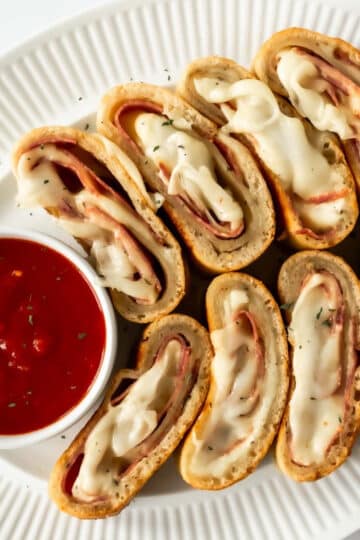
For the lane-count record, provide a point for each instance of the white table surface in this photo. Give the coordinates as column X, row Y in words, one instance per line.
column 22, row 19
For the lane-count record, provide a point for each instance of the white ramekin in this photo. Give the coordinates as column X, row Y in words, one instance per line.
column 109, row 354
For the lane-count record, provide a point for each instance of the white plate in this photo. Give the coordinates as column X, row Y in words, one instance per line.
column 41, row 82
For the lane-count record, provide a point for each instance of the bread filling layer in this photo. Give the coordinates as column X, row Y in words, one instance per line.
column 125, row 433
column 245, row 386
column 316, row 332
column 320, row 92
column 316, row 188
column 187, row 169
column 118, row 238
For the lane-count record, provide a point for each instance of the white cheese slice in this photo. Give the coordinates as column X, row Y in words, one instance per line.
column 190, row 165
column 307, row 92
column 281, row 141
column 126, row 425
column 317, row 404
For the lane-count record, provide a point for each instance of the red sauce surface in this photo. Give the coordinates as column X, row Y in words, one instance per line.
column 52, row 336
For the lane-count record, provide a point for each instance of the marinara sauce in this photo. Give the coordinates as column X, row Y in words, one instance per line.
column 52, row 336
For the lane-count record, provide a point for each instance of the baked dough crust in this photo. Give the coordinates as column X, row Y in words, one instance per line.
column 211, row 253
column 170, row 257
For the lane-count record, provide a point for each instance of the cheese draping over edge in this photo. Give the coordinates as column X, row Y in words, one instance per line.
column 191, row 168
column 282, row 143
column 114, row 231
column 320, row 92
column 244, row 392
column 127, row 424
column 316, row 408
column 155, row 200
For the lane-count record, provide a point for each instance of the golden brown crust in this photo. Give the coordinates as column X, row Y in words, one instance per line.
column 121, row 167
column 290, row 278
column 211, row 253
column 273, row 334
column 337, row 52
column 295, row 233
column 133, row 481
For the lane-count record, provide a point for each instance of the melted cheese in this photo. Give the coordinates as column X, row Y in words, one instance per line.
column 40, row 185
column 241, row 399
column 155, row 200
column 126, row 425
column 190, row 165
column 306, row 89
column 281, row 142
column 316, row 406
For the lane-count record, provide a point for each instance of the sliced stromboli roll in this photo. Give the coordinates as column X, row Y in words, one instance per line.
column 97, row 194
column 144, row 416
column 306, row 168
column 214, row 192
column 321, row 77
column 322, row 297
column 248, row 388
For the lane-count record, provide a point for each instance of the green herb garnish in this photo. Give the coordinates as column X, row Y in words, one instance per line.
column 327, row 322
column 168, row 122
column 319, row 313
column 287, row 306
column 156, row 148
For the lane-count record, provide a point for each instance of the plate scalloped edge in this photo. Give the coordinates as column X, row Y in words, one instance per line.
column 41, row 82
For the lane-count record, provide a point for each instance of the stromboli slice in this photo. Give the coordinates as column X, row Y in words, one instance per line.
column 248, row 384
column 141, row 421
column 306, row 168
column 97, row 194
column 322, row 296
column 321, row 77
column 214, row 192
